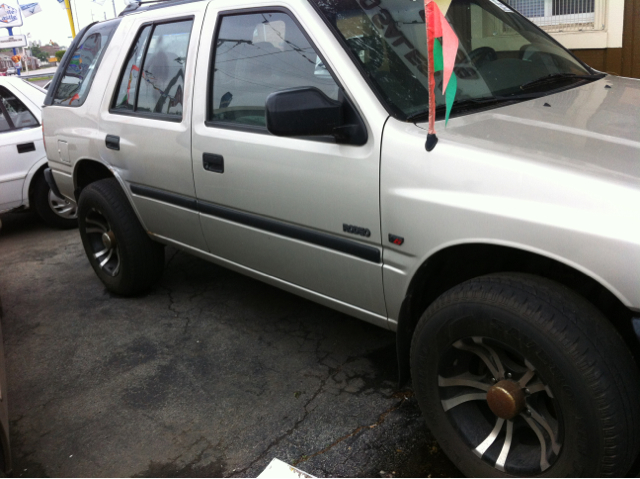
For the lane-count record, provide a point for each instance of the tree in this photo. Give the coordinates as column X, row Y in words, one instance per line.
column 60, row 54
column 37, row 52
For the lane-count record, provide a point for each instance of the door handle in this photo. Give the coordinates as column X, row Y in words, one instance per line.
column 26, row 147
column 214, row 163
column 113, row 142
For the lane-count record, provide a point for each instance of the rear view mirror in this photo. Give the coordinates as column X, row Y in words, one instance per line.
column 309, row 112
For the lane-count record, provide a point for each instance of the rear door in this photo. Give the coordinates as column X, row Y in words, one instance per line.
column 146, row 120
column 20, row 146
column 303, row 210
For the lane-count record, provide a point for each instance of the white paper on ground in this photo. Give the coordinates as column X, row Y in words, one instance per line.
column 277, row 468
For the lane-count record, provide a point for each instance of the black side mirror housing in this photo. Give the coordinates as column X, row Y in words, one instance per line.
column 307, row 111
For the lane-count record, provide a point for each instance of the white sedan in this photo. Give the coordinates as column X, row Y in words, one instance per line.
column 22, row 155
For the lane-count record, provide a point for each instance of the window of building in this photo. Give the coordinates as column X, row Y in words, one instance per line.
column 256, row 55
column 562, row 15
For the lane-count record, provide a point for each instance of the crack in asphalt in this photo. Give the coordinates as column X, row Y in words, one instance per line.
column 332, row 373
column 290, row 431
column 170, row 260
column 381, row 419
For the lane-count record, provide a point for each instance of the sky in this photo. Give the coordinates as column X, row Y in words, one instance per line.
column 52, row 23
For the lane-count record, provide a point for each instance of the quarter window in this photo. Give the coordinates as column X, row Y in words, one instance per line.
column 83, row 64
column 152, row 82
column 256, row 55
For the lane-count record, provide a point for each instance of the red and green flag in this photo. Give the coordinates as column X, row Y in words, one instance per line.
column 442, row 47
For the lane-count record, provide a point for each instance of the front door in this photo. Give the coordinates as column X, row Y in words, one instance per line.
column 305, row 211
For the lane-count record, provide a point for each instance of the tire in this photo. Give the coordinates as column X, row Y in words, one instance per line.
column 55, row 211
column 121, row 253
column 576, row 382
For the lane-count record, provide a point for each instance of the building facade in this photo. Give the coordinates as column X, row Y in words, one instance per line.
column 605, row 34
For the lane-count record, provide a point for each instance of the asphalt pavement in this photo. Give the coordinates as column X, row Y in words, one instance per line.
column 211, row 374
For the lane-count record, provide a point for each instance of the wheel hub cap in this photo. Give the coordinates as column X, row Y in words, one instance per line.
column 108, row 240
column 506, row 399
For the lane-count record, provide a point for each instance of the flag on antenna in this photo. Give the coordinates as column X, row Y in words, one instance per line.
column 442, row 57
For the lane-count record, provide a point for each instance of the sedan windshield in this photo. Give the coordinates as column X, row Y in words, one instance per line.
column 501, row 55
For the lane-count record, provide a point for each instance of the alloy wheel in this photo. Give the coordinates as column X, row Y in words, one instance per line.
column 62, row 207
column 500, row 406
column 102, row 241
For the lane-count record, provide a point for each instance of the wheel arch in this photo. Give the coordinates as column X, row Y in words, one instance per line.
column 34, row 171
column 461, row 262
column 88, row 171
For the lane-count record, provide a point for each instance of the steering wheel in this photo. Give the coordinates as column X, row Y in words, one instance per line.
column 481, row 55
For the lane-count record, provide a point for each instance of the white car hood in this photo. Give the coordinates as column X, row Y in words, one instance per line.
column 594, row 128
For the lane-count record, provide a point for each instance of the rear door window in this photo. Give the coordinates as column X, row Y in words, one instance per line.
column 82, row 65
column 152, row 82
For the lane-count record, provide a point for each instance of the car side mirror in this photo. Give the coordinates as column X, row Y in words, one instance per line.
column 309, row 112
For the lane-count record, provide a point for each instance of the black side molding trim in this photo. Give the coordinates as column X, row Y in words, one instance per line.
column 307, row 235
column 48, row 177
column 368, row 253
column 160, row 195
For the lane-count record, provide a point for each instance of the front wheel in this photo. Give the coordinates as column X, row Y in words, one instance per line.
column 55, row 211
column 520, row 376
column 121, row 253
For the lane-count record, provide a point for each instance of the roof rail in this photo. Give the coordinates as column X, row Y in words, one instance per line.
column 142, row 5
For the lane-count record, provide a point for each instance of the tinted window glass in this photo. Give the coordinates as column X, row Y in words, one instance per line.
column 125, row 99
column 74, row 85
column 4, row 124
column 256, row 55
column 162, row 87
column 499, row 52
column 19, row 114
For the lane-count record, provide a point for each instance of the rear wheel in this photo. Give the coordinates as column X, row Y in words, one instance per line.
column 121, row 253
column 517, row 375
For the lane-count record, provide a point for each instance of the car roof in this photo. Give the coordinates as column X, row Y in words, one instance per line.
column 141, row 6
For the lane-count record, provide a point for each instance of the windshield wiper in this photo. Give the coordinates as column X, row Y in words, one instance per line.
column 463, row 104
column 555, row 77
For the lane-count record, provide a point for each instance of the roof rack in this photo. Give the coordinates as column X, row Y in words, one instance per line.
column 139, row 5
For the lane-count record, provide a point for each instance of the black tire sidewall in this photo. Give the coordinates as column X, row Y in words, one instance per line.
column 90, row 200
column 141, row 260
column 450, row 322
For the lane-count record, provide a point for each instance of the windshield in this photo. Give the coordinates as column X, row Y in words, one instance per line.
column 501, row 55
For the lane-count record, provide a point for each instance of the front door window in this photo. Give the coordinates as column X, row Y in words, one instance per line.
column 256, row 55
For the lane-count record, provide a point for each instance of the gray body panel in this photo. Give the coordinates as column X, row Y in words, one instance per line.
column 562, row 181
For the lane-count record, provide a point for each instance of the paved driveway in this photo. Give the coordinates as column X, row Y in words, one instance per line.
column 211, row 374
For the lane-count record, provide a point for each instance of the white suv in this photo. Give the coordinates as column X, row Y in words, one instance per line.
column 285, row 139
